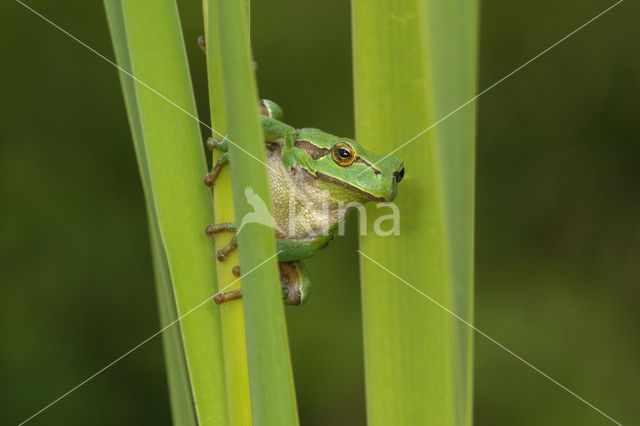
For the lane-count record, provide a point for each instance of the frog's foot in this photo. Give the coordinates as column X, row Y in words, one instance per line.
column 210, row 178
column 202, row 44
column 224, row 252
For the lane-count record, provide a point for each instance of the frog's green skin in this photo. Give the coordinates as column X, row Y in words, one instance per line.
column 305, row 175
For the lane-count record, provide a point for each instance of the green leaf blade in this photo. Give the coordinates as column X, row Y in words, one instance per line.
column 169, row 147
column 273, row 399
column 231, row 314
column 412, row 61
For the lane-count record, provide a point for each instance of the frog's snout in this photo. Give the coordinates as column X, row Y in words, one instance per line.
column 399, row 175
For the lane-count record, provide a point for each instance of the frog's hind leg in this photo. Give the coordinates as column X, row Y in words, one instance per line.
column 213, row 230
column 296, row 285
column 294, row 282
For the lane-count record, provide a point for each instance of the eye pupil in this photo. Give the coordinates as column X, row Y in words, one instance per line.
column 343, row 153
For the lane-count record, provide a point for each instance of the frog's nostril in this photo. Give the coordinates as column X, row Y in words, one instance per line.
column 399, row 175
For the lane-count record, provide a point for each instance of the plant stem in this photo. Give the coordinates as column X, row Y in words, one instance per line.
column 231, row 314
column 270, row 375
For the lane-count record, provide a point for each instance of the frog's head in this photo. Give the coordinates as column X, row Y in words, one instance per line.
column 344, row 162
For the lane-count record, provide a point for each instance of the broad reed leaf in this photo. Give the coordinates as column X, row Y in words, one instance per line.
column 149, row 45
column 414, row 62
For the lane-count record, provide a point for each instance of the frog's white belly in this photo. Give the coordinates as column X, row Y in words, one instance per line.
column 302, row 210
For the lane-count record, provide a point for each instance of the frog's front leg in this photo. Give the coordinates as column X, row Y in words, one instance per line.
column 222, row 145
column 294, row 282
column 273, row 129
column 210, row 178
column 219, row 144
column 213, row 230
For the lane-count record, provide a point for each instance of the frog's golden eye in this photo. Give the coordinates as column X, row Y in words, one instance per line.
column 343, row 154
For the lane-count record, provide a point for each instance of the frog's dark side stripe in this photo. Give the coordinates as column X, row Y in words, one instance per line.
column 316, row 153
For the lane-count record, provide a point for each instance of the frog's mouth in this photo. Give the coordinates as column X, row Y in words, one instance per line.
column 371, row 197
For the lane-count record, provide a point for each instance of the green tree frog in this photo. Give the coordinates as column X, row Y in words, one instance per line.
column 315, row 178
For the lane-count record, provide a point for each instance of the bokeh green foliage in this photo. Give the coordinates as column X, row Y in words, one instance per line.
column 557, row 239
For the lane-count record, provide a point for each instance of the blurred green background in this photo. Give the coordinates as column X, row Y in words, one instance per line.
column 558, row 216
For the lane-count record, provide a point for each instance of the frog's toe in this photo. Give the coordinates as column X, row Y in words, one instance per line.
column 210, row 177
column 213, row 229
column 236, row 271
column 224, row 252
column 202, row 44
column 220, row 298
